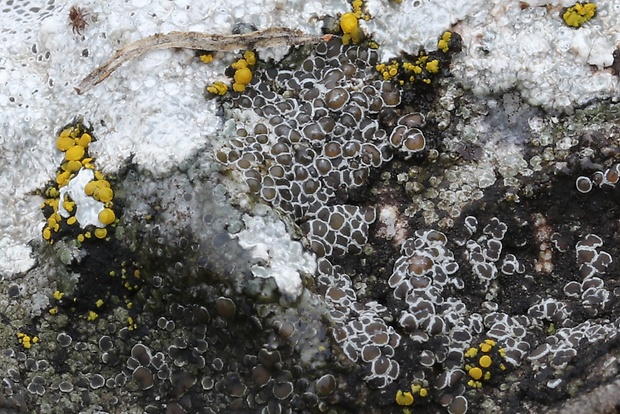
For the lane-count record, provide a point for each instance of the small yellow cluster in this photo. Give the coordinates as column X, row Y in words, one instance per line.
column 26, row 340
column 349, row 23
column 241, row 78
column 131, row 324
column 389, row 70
column 350, row 28
column 578, row 14
column 205, row 57
column 408, row 72
column 444, row 42
column 423, row 67
column 480, row 362
column 74, row 141
column 217, row 88
column 99, row 189
column 243, row 71
column 407, row 398
column 130, row 280
column 356, row 6
column 58, row 295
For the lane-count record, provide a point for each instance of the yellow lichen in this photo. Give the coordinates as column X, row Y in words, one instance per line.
column 90, row 187
column 68, row 205
column 75, row 153
column 104, row 194
column 444, row 43
column 52, row 192
column 487, row 345
column 238, row 87
column 101, row 233
column 475, row 373
column 65, row 142
column 243, row 75
column 240, row 64
column 485, row 361
column 471, row 352
column 63, row 178
column 250, row 57
column 217, row 88
column 404, row 398
column 84, row 140
column 206, row 57
column 474, row 384
column 432, row 66
column 350, row 27
column 579, row 13
column 107, row 216
column 66, row 133
column 72, row 166
column 26, row 340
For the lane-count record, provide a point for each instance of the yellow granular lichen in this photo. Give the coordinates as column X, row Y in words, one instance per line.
column 240, row 64
column 350, row 27
column 484, row 361
column 444, row 43
column 471, row 352
column 206, row 57
column 432, row 66
column 250, row 57
column 26, row 340
column 579, row 13
column 217, row 88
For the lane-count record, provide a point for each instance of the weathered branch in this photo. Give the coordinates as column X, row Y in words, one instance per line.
column 199, row 41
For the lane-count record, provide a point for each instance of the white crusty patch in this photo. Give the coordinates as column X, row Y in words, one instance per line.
column 280, row 257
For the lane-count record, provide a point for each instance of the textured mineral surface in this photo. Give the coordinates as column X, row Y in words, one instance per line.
column 412, row 212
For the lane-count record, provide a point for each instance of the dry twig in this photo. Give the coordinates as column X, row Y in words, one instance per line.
column 199, row 41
